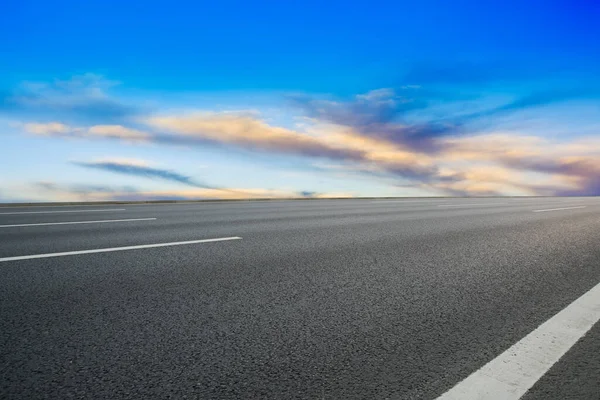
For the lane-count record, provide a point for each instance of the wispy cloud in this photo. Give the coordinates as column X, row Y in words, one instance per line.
column 81, row 188
column 85, row 192
column 243, row 131
column 383, row 113
column 391, row 134
column 324, row 195
column 456, row 168
column 390, row 114
column 330, row 141
column 58, row 129
column 81, row 98
column 536, row 99
column 569, row 167
column 140, row 168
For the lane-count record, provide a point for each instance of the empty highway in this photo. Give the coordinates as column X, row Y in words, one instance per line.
column 323, row 299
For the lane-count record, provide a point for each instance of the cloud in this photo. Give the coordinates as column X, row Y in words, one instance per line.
column 420, row 113
column 411, row 135
column 117, row 132
column 316, row 195
column 48, row 129
column 81, row 98
column 536, row 99
column 84, row 192
column 81, row 188
column 318, row 140
column 57, row 129
column 385, row 114
column 243, row 131
column 377, row 106
column 401, row 116
column 444, row 172
column 546, row 97
column 334, row 142
column 582, row 172
column 45, row 185
column 141, row 169
column 570, row 168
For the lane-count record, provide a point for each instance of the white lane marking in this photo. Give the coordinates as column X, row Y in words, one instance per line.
column 79, row 222
column 66, row 211
column 558, row 209
column 406, row 201
column 143, row 246
column 469, row 204
column 515, row 371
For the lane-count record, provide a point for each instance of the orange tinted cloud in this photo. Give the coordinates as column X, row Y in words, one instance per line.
column 245, row 131
column 499, row 163
column 117, row 132
column 95, row 131
column 323, row 140
column 48, row 129
column 50, row 191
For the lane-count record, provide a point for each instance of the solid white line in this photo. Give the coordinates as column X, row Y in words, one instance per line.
column 515, row 371
column 67, row 211
column 557, row 209
column 143, row 246
column 79, row 222
column 469, row 204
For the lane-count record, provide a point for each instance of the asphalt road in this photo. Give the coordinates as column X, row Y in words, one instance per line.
column 324, row 299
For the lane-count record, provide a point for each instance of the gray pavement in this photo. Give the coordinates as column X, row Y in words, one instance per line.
column 364, row 299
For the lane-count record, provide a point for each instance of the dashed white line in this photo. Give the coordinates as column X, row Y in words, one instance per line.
column 515, row 371
column 66, row 211
column 106, row 250
column 470, row 204
column 104, row 221
column 406, row 201
column 558, row 209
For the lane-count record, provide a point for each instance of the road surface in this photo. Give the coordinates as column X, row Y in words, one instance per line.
column 323, row 299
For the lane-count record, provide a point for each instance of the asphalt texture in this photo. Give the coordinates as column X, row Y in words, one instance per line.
column 324, row 299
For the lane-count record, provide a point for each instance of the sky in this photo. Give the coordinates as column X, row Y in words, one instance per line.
column 149, row 100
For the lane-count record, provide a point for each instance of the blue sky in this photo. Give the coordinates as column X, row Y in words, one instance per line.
column 137, row 100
